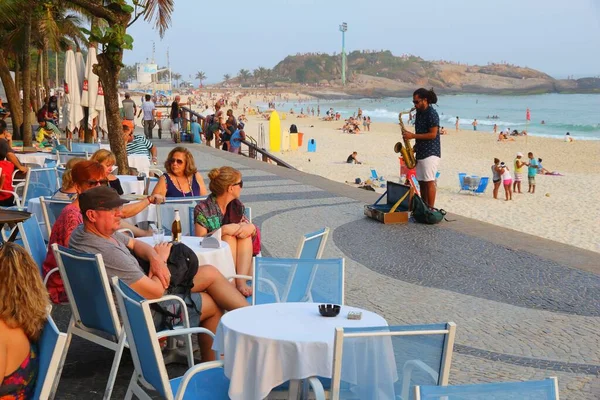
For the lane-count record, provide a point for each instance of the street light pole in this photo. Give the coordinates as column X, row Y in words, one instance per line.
column 343, row 29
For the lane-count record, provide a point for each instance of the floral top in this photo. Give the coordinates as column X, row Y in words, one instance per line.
column 20, row 385
column 208, row 213
column 65, row 224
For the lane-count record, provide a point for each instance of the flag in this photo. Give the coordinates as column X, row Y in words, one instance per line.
column 528, row 115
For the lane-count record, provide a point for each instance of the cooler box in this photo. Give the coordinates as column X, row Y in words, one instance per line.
column 312, row 145
column 404, row 170
column 381, row 211
column 293, row 141
column 300, row 137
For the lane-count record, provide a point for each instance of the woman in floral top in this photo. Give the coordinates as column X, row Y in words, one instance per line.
column 220, row 210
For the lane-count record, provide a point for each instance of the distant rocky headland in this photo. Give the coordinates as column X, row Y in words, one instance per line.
column 380, row 74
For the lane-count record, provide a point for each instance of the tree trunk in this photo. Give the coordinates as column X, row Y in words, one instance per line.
column 12, row 94
column 108, row 72
column 46, row 71
column 38, row 101
column 27, row 130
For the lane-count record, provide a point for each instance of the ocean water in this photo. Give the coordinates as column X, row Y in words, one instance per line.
column 578, row 114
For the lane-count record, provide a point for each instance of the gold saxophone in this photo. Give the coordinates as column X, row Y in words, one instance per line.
column 408, row 154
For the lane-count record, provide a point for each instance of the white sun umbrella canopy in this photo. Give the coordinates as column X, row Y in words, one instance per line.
column 92, row 93
column 72, row 111
column 80, row 63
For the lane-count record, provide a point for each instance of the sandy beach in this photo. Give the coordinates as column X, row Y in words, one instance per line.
column 564, row 208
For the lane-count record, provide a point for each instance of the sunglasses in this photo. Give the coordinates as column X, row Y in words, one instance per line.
column 417, row 101
column 176, row 160
column 93, row 182
column 240, row 184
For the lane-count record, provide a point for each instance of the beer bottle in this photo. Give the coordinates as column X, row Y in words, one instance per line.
column 176, row 227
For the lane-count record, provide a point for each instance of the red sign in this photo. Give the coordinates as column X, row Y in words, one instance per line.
column 66, row 88
column 85, row 84
column 100, row 90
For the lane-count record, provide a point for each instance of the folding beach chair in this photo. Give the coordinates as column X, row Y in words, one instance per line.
column 461, row 181
column 51, row 346
column 387, row 362
column 202, row 381
column 546, row 389
column 483, row 182
column 42, row 182
column 312, row 244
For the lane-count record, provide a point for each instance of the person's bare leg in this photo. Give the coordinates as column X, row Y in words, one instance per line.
column 424, row 192
column 210, row 316
column 496, row 187
column 244, row 264
column 431, row 192
column 209, row 279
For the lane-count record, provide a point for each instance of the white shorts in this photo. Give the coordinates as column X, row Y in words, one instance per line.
column 427, row 168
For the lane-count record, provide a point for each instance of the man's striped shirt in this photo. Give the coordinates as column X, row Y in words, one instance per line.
column 139, row 145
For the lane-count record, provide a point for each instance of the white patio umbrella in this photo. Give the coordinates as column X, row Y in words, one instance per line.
column 92, row 93
column 80, row 63
column 72, row 111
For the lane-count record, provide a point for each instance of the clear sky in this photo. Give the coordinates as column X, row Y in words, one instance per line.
column 555, row 36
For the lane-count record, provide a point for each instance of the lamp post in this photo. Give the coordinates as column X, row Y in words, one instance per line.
column 343, row 29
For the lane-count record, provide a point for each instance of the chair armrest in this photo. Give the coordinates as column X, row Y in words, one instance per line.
column 186, row 318
column 15, row 195
column 236, row 276
column 193, row 371
column 48, row 275
column 183, row 331
column 156, row 171
column 317, row 387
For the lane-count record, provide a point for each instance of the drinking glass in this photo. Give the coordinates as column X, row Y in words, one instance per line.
column 158, row 235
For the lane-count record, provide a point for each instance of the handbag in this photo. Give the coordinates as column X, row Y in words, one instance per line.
column 423, row 214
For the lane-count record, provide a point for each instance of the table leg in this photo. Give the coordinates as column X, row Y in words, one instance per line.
column 295, row 386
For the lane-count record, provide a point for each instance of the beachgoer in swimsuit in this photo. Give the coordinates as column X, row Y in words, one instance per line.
column 496, row 176
column 506, row 180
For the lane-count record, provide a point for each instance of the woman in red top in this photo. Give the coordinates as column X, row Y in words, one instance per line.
column 85, row 175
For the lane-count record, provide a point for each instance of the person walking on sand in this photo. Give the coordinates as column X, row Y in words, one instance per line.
column 506, row 180
column 474, row 124
column 495, row 128
column 518, row 173
column 428, row 149
column 318, row 111
column 532, row 170
column 457, row 123
column 496, row 176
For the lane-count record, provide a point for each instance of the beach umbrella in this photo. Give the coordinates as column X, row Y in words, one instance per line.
column 72, row 111
column 80, row 63
column 92, row 92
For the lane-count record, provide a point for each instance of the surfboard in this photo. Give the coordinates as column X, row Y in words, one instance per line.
column 274, row 132
column 285, row 140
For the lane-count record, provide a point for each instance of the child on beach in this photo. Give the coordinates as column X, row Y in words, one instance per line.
column 506, row 180
column 518, row 173
column 532, row 169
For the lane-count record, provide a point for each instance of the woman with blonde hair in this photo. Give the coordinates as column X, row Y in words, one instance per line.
column 108, row 160
column 182, row 178
column 67, row 190
column 23, row 312
column 223, row 210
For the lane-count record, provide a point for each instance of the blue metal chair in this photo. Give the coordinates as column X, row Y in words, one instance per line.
column 203, row 381
column 50, row 163
column 51, row 209
column 65, row 156
column 387, row 362
column 42, row 182
column 483, row 182
column 50, row 347
column 33, row 242
column 286, row 280
column 89, row 148
column 312, row 244
column 94, row 315
column 546, row 389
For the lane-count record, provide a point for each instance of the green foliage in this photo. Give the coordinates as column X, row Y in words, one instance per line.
column 114, row 40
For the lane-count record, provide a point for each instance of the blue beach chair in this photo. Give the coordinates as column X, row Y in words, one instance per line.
column 50, row 346
column 483, row 182
column 546, row 389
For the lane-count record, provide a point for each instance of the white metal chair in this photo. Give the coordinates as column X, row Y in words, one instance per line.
column 51, row 346
column 202, row 381
column 546, row 389
column 20, row 186
column 387, row 362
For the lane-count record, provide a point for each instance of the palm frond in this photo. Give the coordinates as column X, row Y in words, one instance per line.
column 160, row 12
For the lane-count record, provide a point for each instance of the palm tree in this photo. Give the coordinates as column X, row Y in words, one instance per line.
column 226, row 77
column 200, row 75
column 244, row 74
column 111, row 34
column 177, row 77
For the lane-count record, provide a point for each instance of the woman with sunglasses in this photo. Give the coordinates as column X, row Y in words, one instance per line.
column 182, row 178
column 428, row 150
column 223, row 210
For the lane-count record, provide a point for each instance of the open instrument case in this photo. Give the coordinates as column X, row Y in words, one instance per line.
column 395, row 209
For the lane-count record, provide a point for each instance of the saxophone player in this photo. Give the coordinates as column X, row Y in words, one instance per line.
column 428, row 150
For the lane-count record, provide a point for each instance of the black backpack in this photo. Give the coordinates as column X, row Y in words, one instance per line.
column 293, row 128
column 425, row 215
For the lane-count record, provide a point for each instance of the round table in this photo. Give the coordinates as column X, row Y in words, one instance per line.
column 291, row 342
column 221, row 258
column 12, row 217
column 140, row 162
column 38, row 158
column 131, row 184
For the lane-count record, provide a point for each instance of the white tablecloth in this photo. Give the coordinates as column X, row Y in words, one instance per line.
column 221, row 258
column 131, row 184
column 139, row 162
column 291, row 341
column 147, row 214
column 35, row 158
